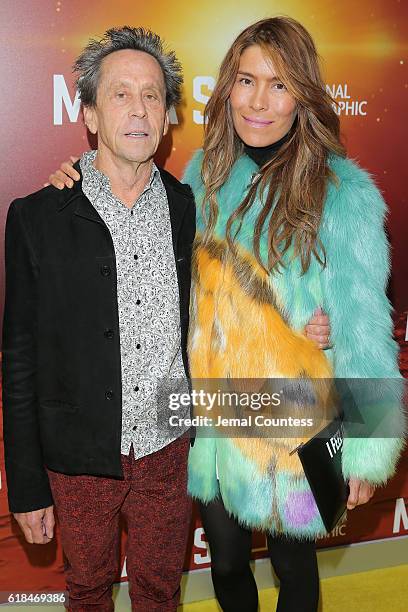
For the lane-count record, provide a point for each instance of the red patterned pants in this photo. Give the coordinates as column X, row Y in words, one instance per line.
column 153, row 498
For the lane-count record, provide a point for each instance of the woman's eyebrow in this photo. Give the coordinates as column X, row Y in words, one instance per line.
column 253, row 76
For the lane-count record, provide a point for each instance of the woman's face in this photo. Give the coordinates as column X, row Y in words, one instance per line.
column 262, row 108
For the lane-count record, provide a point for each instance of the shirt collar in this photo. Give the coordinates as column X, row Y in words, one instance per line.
column 94, row 181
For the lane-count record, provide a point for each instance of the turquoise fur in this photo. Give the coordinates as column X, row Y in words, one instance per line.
column 351, row 289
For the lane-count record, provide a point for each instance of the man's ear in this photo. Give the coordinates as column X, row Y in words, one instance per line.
column 166, row 123
column 90, row 118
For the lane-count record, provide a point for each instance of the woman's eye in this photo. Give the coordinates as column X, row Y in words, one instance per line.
column 279, row 86
column 245, row 81
column 121, row 95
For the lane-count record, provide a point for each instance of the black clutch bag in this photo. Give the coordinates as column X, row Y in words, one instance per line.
column 321, row 460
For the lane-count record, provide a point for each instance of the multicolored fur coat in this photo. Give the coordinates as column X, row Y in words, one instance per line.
column 245, row 324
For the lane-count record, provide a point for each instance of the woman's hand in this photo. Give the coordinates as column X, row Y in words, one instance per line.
column 318, row 329
column 361, row 492
column 66, row 175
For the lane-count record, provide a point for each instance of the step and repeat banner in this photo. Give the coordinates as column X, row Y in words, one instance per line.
column 364, row 57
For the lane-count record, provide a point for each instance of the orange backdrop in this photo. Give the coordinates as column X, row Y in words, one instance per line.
column 364, row 51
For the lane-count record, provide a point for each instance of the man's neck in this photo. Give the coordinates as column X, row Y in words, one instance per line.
column 127, row 179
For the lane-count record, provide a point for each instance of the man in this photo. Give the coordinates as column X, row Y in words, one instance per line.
column 96, row 315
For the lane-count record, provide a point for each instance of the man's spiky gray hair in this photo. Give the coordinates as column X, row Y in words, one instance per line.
column 88, row 64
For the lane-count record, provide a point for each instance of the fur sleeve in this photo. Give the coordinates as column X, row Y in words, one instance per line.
column 354, row 284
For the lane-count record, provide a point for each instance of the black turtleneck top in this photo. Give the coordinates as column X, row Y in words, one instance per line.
column 261, row 155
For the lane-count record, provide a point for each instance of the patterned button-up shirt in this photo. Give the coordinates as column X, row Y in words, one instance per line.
column 148, row 303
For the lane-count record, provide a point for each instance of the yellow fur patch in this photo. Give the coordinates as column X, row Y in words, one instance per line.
column 238, row 331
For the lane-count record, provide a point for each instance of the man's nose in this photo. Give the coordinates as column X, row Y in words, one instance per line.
column 259, row 99
column 138, row 108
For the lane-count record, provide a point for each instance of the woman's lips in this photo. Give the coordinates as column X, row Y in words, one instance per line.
column 256, row 123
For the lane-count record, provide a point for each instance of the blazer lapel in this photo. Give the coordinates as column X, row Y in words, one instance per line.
column 177, row 200
column 85, row 210
column 83, row 207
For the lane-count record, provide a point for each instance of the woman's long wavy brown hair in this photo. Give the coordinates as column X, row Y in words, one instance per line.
column 294, row 182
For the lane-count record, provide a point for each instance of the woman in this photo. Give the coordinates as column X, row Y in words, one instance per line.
column 291, row 224
column 287, row 224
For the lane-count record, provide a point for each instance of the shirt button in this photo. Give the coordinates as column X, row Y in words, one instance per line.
column 138, row 346
column 108, row 333
column 135, row 256
column 136, row 389
column 105, row 270
column 138, row 302
column 109, row 394
column 134, row 427
column 131, row 212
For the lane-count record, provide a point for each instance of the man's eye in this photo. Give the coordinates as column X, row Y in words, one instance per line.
column 151, row 97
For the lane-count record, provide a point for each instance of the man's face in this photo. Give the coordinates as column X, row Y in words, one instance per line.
column 130, row 115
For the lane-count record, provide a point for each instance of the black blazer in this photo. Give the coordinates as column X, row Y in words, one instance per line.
column 62, row 404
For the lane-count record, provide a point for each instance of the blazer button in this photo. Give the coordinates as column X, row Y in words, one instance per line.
column 108, row 333
column 109, row 394
column 105, row 270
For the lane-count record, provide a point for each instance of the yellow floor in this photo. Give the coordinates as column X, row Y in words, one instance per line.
column 383, row 590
